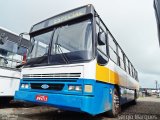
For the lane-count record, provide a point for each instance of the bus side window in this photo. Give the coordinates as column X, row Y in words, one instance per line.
column 127, row 65
column 137, row 76
column 130, row 69
column 112, row 49
column 121, row 61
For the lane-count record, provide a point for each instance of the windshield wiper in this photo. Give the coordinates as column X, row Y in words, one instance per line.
column 58, row 47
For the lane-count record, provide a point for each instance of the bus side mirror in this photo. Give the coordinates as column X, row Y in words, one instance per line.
column 102, row 38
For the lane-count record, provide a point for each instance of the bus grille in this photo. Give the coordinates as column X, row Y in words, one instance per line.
column 43, row 86
column 53, row 75
column 51, row 79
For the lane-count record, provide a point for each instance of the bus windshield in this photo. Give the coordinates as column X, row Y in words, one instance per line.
column 65, row 44
column 11, row 55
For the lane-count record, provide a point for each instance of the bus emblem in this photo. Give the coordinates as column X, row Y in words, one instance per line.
column 45, row 86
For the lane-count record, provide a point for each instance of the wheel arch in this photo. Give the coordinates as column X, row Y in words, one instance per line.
column 118, row 89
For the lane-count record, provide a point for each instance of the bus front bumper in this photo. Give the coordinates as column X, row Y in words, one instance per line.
column 67, row 102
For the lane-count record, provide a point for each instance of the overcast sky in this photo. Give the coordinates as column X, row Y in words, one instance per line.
column 132, row 22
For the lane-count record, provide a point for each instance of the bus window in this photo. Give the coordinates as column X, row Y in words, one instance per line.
column 130, row 68
column 112, row 43
column 72, row 43
column 68, row 43
column 112, row 49
column 120, row 52
column 126, row 61
column 102, row 48
column 41, row 45
column 10, row 55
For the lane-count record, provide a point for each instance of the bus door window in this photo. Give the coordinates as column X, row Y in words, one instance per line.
column 102, row 57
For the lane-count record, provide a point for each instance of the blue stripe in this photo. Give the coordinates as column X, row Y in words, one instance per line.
column 93, row 103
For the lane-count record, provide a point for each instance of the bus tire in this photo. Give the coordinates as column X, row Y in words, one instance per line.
column 134, row 102
column 116, row 107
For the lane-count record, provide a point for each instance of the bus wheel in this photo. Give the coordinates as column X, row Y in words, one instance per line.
column 134, row 102
column 116, row 108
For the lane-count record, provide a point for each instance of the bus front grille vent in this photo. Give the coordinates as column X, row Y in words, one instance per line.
column 42, row 86
column 53, row 75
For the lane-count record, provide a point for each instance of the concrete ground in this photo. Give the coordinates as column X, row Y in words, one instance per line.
column 147, row 108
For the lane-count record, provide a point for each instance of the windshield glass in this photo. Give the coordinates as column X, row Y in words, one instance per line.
column 68, row 44
column 11, row 55
column 74, row 42
column 40, row 46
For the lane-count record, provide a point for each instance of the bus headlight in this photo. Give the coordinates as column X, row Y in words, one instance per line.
column 75, row 88
column 26, row 86
column 88, row 88
column 71, row 87
column 22, row 85
column 78, row 88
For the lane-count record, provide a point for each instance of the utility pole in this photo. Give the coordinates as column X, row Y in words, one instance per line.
column 156, row 84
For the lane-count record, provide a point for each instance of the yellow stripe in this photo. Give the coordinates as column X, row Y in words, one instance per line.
column 104, row 74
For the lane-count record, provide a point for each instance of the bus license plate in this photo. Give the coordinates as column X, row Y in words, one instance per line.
column 42, row 98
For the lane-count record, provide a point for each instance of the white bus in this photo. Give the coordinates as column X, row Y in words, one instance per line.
column 76, row 64
column 10, row 56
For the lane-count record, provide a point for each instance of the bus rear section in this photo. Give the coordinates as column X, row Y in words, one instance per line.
column 11, row 55
column 9, row 82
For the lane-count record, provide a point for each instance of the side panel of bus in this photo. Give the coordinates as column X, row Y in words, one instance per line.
column 9, row 82
column 113, row 75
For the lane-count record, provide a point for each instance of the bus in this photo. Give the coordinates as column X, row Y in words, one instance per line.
column 76, row 64
column 11, row 55
column 157, row 14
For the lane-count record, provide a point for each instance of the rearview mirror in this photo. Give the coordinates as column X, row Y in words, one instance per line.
column 102, row 38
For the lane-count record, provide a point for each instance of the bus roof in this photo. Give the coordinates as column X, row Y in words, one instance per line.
column 5, row 29
column 14, row 37
column 63, row 17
